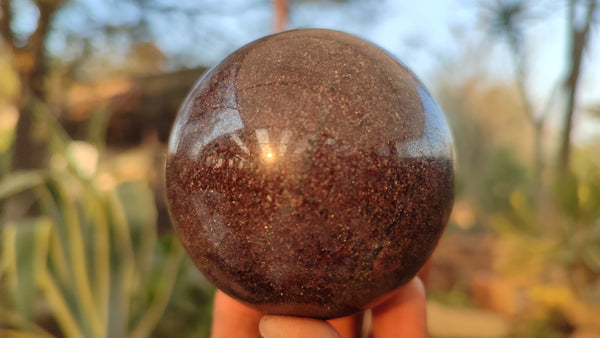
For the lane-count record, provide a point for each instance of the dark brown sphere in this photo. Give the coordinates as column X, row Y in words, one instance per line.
column 310, row 173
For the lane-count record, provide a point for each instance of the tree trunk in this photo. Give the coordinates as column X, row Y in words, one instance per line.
column 538, row 153
column 578, row 41
column 281, row 14
column 29, row 150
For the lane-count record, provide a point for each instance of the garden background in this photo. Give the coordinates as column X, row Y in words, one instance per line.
column 89, row 90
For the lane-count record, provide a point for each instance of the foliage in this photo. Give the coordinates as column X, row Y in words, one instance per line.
column 552, row 324
column 79, row 254
column 89, row 258
column 190, row 311
column 546, row 218
column 457, row 297
column 565, row 229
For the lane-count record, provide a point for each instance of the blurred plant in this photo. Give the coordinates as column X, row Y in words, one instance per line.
column 90, row 257
column 552, row 324
column 566, row 236
column 508, row 20
column 458, row 296
column 189, row 312
column 546, row 217
column 491, row 142
column 557, row 224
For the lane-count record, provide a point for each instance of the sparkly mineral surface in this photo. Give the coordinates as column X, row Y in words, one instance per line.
column 310, row 173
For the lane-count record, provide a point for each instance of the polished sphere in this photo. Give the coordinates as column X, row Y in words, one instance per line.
column 310, row 173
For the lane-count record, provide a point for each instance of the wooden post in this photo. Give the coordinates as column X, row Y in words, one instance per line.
column 281, row 13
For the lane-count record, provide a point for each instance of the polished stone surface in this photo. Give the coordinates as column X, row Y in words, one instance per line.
column 310, row 173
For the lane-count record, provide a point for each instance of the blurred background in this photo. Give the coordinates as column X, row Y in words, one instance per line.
column 89, row 89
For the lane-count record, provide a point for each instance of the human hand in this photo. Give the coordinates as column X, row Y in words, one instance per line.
column 402, row 314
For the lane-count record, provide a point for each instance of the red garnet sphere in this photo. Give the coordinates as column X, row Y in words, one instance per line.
column 310, row 173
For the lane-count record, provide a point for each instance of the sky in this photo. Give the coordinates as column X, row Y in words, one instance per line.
column 425, row 35
column 420, row 33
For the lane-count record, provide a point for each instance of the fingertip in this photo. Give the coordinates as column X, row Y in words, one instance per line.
column 418, row 286
column 272, row 326
column 265, row 326
column 233, row 319
column 349, row 326
column 403, row 314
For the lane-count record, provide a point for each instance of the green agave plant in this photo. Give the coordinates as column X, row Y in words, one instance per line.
column 90, row 258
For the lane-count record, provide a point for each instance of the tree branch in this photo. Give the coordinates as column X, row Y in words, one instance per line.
column 579, row 40
column 5, row 23
column 28, row 151
column 36, row 47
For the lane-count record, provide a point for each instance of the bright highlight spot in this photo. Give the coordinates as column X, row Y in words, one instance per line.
column 269, row 155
